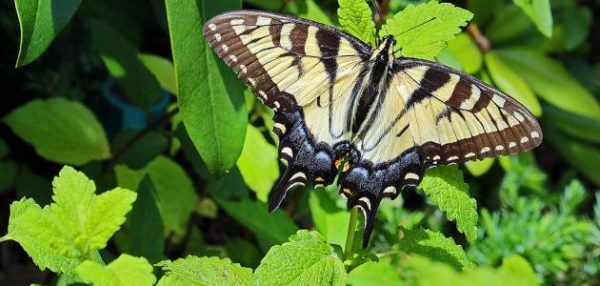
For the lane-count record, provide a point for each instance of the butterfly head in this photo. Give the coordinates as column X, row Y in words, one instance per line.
column 384, row 52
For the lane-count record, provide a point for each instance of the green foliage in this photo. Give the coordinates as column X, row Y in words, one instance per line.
column 209, row 95
column 204, row 271
column 40, row 23
column 445, row 187
column 422, row 31
column 125, row 270
column 74, row 227
column 258, row 163
column 305, row 259
column 514, row 271
column 434, row 246
column 201, row 185
column 355, row 18
column 539, row 11
column 61, row 130
column 122, row 63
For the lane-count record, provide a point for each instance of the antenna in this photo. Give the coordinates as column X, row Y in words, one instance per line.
column 412, row 28
column 378, row 21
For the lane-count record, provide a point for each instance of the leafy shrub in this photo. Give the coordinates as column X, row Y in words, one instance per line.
column 188, row 181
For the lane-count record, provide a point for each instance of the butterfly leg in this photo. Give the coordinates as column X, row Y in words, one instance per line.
column 365, row 184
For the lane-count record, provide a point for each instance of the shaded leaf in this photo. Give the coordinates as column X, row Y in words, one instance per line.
column 121, row 60
column 436, row 247
column 162, row 69
column 466, row 52
column 209, row 95
column 40, row 23
column 575, row 125
column 510, row 23
column 329, row 219
column 372, row 273
column 61, row 130
column 146, row 230
column 539, row 11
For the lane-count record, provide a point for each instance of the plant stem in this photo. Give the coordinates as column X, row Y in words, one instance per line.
column 351, row 232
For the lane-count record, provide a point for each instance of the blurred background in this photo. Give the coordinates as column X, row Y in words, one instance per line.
column 102, row 97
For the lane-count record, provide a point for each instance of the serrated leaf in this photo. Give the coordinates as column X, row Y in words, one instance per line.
column 258, row 163
column 374, row 273
column 204, row 271
column 540, row 13
column 209, row 94
column 74, row 227
column 275, row 227
column 422, row 31
column 124, row 271
column 40, row 23
column 509, row 82
column 434, row 246
column 61, row 130
column 445, row 188
column 355, row 17
column 162, row 69
column 306, row 259
column 551, row 81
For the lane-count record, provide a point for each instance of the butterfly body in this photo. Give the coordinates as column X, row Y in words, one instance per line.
column 339, row 102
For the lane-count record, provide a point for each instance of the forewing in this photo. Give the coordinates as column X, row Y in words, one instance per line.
column 287, row 62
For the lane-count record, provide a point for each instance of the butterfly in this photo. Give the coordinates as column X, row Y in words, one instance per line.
column 341, row 104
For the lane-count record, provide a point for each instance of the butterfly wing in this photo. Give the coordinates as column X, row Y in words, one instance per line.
column 308, row 73
column 431, row 115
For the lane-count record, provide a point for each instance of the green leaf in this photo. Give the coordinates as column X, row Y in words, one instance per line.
column 72, row 228
column 4, row 149
column 204, row 271
column 374, row 273
column 445, row 187
column 585, row 158
column 87, row 220
column 540, row 13
column 275, row 227
column 355, row 17
column 466, row 52
column 422, row 31
column 124, row 271
column 329, row 219
column 122, row 62
column 175, row 193
column 309, row 9
column 61, row 130
column 551, row 81
column 512, row 84
column 480, row 167
column 42, row 253
column 40, row 23
column 306, row 259
column 162, row 69
column 575, row 125
column 146, row 230
column 271, row 5
column 258, row 163
column 434, row 246
column 577, row 25
column 423, row 271
column 209, row 94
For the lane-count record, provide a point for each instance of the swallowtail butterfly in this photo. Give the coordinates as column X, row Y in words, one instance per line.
column 339, row 101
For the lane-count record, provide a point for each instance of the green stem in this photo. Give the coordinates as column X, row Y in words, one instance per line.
column 351, row 232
